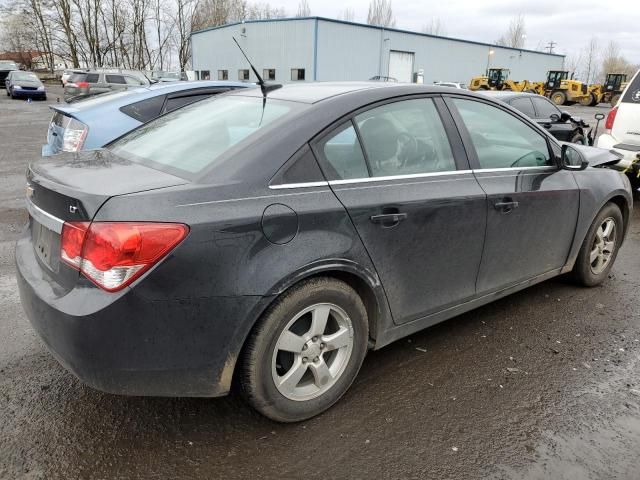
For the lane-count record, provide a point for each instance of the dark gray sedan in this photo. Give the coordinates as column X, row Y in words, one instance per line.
column 273, row 241
column 21, row 84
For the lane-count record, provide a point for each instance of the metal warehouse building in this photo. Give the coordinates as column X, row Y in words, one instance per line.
column 322, row 49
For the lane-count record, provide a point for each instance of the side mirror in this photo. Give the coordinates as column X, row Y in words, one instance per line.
column 571, row 159
column 565, row 116
column 599, row 116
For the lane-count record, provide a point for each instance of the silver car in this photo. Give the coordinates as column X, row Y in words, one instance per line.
column 85, row 84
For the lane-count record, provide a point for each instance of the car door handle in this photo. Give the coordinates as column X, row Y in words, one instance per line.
column 506, row 205
column 388, row 219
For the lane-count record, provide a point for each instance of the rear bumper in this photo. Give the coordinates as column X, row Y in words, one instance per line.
column 130, row 344
column 629, row 157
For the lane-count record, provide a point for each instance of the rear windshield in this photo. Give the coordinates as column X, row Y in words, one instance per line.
column 191, row 139
column 84, row 77
column 632, row 95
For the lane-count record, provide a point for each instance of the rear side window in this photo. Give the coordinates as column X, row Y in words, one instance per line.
column 545, row 108
column 343, row 155
column 524, row 105
column 632, row 95
column 145, row 110
column 92, row 78
column 405, row 138
column 119, row 79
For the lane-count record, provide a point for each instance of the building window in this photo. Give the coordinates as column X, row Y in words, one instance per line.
column 297, row 74
column 205, row 75
column 269, row 74
column 243, row 75
column 223, row 74
column 197, row 74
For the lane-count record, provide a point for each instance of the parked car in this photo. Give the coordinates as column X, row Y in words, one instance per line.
column 20, row 84
column 6, row 66
column 622, row 130
column 274, row 240
column 85, row 84
column 560, row 124
column 97, row 121
column 458, row 85
column 67, row 74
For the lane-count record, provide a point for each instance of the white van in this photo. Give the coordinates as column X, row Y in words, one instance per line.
column 622, row 129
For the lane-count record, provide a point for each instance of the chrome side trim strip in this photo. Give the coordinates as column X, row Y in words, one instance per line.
column 398, row 177
column 513, row 169
column 44, row 218
column 299, row 185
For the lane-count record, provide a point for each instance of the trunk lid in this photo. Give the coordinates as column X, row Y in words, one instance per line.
column 72, row 188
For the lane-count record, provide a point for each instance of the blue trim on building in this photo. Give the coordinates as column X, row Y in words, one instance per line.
column 364, row 25
column 315, row 51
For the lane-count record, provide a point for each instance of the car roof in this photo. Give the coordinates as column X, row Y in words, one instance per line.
column 314, row 92
column 127, row 97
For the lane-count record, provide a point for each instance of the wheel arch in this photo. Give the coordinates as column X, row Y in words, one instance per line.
column 362, row 280
column 625, row 208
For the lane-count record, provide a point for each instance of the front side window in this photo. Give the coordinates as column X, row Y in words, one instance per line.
column 297, row 74
column 501, row 140
column 344, row 158
column 545, row 108
column 205, row 131
column 404, row 138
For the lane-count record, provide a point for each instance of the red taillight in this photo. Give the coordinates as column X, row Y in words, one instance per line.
column 82, row 84
column 114, row 254
column 608, row 124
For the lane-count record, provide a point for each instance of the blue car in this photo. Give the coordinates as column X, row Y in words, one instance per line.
column 96, row 122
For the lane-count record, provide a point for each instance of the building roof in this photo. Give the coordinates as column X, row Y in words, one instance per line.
column 377, row 27
column 313, row 92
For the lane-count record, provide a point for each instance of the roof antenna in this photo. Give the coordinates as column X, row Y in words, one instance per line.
column 266, row 88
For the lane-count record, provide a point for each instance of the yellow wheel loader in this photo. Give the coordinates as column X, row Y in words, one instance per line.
column 609, row 92
column 498, row 79
column 563, row 90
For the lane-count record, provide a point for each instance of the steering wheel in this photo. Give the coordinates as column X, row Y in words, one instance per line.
column 407, row 148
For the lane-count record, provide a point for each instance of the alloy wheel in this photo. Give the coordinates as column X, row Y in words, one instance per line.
column 603, row 246
column 312, row 352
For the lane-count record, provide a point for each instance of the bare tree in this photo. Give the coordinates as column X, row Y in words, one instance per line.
column 381, row 13
column 573, row 61
column 591, row 53
column 436, row 27
column 303, row 9
column 515, row 35
column 348, row 15
column 614, row 62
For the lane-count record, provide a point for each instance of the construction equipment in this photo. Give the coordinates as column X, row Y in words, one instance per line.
column 563, row 90
column 609, row 92
column 498, row 79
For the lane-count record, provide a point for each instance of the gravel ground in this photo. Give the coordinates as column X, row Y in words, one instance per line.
column 542, row 384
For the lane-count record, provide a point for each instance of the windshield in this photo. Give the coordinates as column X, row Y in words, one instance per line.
column 25, row 76
column 8, row 65
column 192, row 138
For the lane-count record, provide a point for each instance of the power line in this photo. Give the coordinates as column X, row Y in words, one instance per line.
column 550, row 46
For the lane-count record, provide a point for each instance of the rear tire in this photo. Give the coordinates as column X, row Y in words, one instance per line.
column 600, row 247
column 559, row 97
column 615, row 99
column 296, row 365
column 588, row 101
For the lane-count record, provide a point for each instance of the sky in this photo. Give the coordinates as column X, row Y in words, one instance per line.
column 569, row 23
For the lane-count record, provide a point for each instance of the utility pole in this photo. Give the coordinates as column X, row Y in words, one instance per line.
column 550, row 46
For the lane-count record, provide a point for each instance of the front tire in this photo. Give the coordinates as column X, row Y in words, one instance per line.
column 306, row 351
column 615, row 99
column 600, row 247
column 559, row 97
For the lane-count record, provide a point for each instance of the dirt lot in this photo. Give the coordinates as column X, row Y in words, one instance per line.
column 542, row 384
